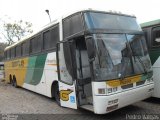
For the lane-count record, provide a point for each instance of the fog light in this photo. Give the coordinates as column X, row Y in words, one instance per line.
column 111, row 102
column 113, row 107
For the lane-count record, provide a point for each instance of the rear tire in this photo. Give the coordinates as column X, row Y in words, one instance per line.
column 10, row 80
column 15, row 82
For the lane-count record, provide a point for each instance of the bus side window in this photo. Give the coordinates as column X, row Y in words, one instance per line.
column 46, row 39
column 50, row 38
column 1, row 67
column 156, row 37
column 68, row 59
column 8, row 54
column 18, row 51
column 54, row 36
column 25, row 48
column 13, row 52
column 146, row 37
column 35, row 44
column 5, row 55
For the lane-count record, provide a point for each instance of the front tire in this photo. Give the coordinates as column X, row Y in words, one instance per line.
column 56, row 93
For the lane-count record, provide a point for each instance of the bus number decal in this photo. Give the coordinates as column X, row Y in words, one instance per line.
column 64, row 94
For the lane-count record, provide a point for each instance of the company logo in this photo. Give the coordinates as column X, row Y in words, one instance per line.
column 19, row 63
column 64, row 94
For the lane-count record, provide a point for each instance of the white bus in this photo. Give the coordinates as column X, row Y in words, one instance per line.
column 91, row 59
column 152, row 33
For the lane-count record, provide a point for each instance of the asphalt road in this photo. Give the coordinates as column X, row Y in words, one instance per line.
column 29, row 105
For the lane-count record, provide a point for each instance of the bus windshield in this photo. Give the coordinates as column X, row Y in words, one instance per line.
column 120, row 55
column 98, row 20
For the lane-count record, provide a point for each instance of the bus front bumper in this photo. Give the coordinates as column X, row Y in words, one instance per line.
column 106, row 104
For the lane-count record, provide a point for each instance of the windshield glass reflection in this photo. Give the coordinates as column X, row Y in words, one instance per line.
column 116, row 56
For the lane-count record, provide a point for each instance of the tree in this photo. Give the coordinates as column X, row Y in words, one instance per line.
column 16, row 30
column 2, row 47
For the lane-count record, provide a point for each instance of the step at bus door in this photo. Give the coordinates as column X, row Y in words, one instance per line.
column 65, row 76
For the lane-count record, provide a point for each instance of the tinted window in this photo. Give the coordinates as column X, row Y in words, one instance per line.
column 67, row 56
column 50, row 38
column 25, row 48
column 5, row 54
column 18, row 51
column 35, row 44
column 1, row 67
column 39, row 43
column 109, row 21
column 13, row 52
column 72, row 25
column 54, row 36
column 8, row 54
column 68, row 61
column 156, row 37
column 46, row 39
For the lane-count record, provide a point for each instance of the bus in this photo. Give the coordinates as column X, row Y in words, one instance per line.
column 152, row 33
column 1, row 70
column 91, row 59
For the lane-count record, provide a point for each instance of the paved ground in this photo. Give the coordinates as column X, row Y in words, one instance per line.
column 20, row 101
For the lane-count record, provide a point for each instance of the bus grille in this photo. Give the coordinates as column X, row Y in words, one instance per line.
column 140, row 83
column 127, row 86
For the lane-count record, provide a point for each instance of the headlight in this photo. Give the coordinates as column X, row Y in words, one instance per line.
column 107, row 90
column 111, row 90
column 101, row 91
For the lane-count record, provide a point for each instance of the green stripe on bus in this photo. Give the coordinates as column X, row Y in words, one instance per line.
column 35, row 69
column 30, row 69
column 39, row 68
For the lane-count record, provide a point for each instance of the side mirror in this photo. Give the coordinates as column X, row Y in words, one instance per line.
column 90, row 47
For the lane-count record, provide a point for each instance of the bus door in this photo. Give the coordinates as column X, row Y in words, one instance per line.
column 84, row 88
column 66, row 76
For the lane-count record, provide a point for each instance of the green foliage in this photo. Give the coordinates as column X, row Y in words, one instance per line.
column 15, row 31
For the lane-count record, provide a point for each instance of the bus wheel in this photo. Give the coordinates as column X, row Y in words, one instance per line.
column 56, row 93
column 10, row 80
column 15, row 82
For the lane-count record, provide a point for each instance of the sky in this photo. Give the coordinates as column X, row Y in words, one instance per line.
column 34, row 10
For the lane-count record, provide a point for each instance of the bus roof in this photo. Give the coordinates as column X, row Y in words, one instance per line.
column 58, row 20
column 150, row 23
